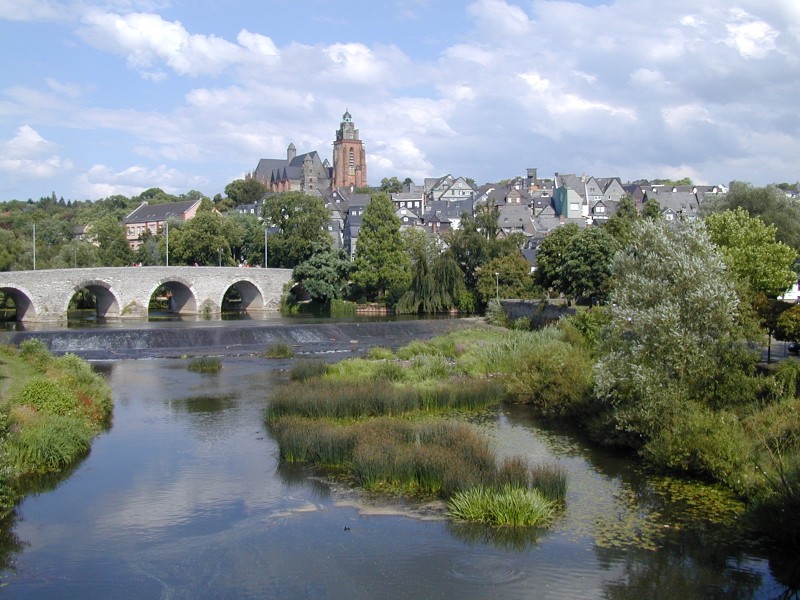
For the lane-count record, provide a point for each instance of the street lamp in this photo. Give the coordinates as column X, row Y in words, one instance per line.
column 266, row 235
column 34, row 246
column 166, row 223
column 497, row 285
column 219, row 254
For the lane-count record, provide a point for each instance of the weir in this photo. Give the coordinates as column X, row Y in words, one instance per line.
column 231, row 338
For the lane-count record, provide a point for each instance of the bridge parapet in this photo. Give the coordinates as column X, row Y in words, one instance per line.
column 44, row 296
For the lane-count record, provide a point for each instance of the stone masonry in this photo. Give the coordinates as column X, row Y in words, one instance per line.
column 44, row 296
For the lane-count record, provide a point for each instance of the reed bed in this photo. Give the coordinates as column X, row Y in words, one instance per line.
column 550, row 481
column 306, row 369
column 341, row 399
column 205, row 364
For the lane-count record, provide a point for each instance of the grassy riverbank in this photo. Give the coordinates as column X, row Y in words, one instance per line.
column 50, row 410
column 380, row 422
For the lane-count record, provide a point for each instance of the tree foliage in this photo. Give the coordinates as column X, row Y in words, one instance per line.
column 325, row 274
column 674, row 335
column 381, row 264
column 200, row 241
column 301, row 221
column 508, row 276
column 114, row 249
column 751, row 252
column 552, row 254
column 436, row 284
column 768, row 204
column 245, row 191
column 586, row 270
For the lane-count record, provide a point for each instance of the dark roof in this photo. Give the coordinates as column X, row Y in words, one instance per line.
column 147, row 213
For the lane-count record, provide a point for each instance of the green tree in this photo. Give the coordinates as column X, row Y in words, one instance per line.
column 200, row 241
column 586, row 270
column 674, row 340
column 77, row 254
column 759, row 262
column 768, row 204
column 302, row 223
column 9, row 249
column 391, row 185
column 436, row 284
column 325, row 275
column 381, row 264
column 788, row 324
column 245, row 191
column 114, row 249
column 551, row 255
column 509, row 276
column 651, row 209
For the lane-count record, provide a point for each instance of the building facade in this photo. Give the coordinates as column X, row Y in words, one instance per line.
column 349, row 156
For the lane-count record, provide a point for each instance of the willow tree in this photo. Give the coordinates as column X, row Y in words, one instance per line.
column 436, row 285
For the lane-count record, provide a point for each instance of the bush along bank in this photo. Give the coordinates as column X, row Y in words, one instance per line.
column 50, row 410
column 380, row 422
column 702, row 411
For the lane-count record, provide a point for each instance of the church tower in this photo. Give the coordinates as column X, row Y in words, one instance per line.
column 349, row 156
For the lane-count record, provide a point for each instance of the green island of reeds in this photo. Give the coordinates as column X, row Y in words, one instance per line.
column 381, row 423
column 278, row 350
column 50, row 410
column 205, row 364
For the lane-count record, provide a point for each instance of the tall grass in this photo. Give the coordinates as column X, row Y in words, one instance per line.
column 279, row 350
column 306, row 369
column 550, row 481
column 48, row 444
column 339, row 399
column 205, row 364
column 507, row 506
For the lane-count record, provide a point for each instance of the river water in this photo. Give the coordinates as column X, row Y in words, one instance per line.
column 184, row 497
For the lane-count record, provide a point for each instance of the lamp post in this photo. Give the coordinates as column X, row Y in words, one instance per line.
column 266, row 235
column 219, row 254
column 166, row 223
column 497, row 285
column 34, row 246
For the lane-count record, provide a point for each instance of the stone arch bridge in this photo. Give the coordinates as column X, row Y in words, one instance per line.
column 44, row 296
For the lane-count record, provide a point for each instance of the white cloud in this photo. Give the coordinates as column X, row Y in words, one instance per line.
column 751, row 37
column 146, row 38
column 101, row 181
column 27, row 154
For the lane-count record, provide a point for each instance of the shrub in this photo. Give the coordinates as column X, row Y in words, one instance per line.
column 49, row 444
column 514, row 471
column 306, row 369
column 702, row 442
column 47, row 397
column 279, row 350
column 35, row 353
column 553, row 376
column 508, row 506
column 205, row 364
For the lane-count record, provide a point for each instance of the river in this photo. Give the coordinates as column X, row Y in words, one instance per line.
column 184, row 497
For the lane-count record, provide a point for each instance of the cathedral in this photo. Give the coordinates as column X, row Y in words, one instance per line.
column 310, row 174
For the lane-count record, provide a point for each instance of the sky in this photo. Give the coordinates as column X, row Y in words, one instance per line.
column 104, row 97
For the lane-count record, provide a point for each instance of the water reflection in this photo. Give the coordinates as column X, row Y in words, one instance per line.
column 185, row 497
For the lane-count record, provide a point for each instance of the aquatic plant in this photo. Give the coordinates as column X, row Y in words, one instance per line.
column 550, row 480
column 279, row 350
column 306, row 369
column 205, row 364
column 506, row 507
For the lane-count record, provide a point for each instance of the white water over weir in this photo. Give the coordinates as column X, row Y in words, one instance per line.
column 44, row 296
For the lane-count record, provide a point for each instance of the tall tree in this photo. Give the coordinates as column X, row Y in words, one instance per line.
column 325, row 274
column 508, row 276
column 200, row 241
column 391, row 185
column 245, row 191
column 381, row 264
column 758, row 261
column 768, row 204
column 551, row 255
column 586, row 270
column 674, row 337
column 114, row 249
column 301, row 221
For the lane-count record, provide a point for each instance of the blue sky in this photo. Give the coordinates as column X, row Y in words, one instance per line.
column 103, row 97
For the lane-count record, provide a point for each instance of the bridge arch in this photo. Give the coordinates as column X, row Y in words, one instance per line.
column 252, row 298
column 180, row 292
column 22, row 302
column 106, row 298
